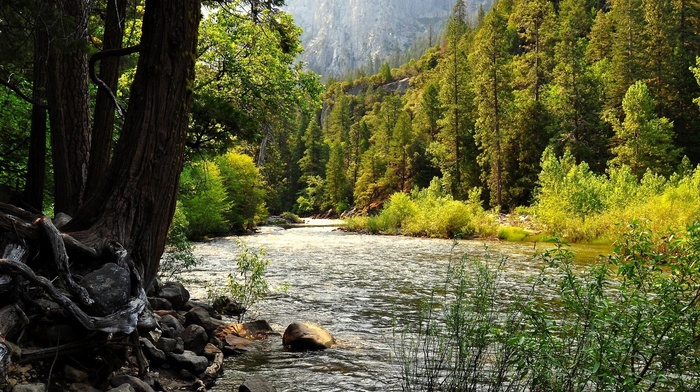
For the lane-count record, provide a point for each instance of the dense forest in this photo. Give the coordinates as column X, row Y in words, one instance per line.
column 602, row 91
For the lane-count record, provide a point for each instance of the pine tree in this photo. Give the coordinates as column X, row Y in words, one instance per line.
column 643, row 141
column 313, row 162
column 490, row 61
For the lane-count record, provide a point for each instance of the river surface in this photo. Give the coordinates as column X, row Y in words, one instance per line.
column 359, row 287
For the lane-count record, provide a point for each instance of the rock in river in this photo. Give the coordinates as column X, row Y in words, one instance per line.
column 307, row 337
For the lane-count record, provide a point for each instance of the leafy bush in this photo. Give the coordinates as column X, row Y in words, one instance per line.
column 429, row 212
column 245, row 192
column 203, row 199
column 574, row 203
column 627, row 324
column 247, row 286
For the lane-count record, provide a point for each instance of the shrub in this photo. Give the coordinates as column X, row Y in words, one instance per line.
column 627, row 324
column 245, row 191
column 203, row 199
column 247, row 286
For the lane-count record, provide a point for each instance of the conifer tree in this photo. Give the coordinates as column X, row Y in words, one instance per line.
column 490, row 61
column 643, row 141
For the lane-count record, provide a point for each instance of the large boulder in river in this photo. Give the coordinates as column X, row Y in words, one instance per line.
column 307, row 337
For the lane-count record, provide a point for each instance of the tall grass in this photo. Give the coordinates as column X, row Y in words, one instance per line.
column 629, row 323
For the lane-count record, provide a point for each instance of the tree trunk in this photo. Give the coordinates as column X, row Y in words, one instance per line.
column 135, row 202
column 36, row 165
column 69, row 102
column 103, row 123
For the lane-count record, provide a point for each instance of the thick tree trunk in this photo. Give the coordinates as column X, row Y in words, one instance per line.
column 103, row 123
column 69, row 103
column 36, row 167
column 135, row 202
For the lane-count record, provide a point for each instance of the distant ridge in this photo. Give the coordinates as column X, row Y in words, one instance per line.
column 343, row 35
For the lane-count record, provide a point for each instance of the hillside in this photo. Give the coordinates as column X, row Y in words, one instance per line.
column 340, row 36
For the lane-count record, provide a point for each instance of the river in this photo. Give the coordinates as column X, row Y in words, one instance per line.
column 357, row 286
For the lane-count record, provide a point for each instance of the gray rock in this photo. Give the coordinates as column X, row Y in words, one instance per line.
column 200, row 317
column 169, row 345
column 306, row 337
column 158, row 303
column 74, row 375
column 171, row 326
column 79, row 387
column 136, row 384
column 256, row 384
column 189, row 361
column 109, row 286
column 123, row 388
column 29, row 388
column 195, row 338
column 61, row 219
column 154, row 354
column 236, row 345
column 174, row 292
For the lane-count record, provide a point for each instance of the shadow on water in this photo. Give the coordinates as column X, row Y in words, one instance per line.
column 357, row 286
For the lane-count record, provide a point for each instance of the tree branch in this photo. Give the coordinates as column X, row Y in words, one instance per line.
column 22, row 95
column 102, row 55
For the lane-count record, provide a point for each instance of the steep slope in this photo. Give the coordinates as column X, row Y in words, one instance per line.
column 342, row 35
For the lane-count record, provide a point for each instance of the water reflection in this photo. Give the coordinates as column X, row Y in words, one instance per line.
column 357, row 286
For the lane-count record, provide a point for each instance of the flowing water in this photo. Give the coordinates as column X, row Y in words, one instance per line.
column 359, row 287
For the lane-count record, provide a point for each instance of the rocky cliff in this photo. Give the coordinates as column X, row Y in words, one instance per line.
column 342, row 35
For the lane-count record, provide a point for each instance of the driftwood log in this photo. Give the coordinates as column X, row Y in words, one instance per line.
column 39, row 260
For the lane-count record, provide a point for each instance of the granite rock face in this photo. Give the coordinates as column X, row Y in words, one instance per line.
column 342, row 35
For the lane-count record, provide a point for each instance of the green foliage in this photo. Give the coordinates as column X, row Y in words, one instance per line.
column 577, row 204
column 178, row 257
column 203, row 199
column 429, row 212
column 628, row 324
column 291, row 217
column 643, row 140
column 247, row 286
column 245, row 192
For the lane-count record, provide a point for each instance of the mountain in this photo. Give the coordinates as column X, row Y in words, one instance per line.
column 343, row 35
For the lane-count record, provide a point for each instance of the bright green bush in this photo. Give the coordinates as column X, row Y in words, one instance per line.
column 576, row 204
column 203, row 199
column 429, row 212
column 245, row 190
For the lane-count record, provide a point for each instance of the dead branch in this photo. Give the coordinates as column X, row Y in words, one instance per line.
column 122, row 321
column 61, row 259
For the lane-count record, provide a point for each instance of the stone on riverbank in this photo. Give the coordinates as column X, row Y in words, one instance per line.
column 306, row 337
column 256, row 384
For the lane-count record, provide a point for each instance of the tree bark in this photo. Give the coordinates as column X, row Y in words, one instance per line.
column 135, row 202
column 69, row 102
column 103, row 123
column 36, row 166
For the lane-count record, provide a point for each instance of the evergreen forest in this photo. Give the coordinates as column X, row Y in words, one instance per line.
column 564, row 117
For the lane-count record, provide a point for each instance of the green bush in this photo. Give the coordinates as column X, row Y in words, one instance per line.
column 203, row 199
column 247, row 286
column 576, row 204
column 429, row 212
column 627, row 324
column 245, row 190
column 178, row 257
